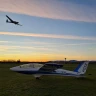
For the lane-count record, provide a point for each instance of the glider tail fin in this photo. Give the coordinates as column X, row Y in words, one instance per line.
column 7, row 21
column 82, row 67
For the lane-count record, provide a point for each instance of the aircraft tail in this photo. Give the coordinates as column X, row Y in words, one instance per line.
column 82, row 67
column 7, row 21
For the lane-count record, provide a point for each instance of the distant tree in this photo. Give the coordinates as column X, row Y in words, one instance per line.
column 18, row 61
column 65, row 60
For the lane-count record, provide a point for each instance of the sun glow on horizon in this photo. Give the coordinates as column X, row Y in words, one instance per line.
column 42, row 57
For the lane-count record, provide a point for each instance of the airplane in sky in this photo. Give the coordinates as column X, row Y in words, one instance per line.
column 37, row 70
column 9, row 20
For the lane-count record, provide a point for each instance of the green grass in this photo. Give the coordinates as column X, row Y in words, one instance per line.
column 15, row 84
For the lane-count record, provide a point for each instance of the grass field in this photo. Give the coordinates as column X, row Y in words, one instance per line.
column 15, row 84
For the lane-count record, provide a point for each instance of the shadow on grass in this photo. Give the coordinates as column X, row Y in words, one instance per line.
column 85, row 79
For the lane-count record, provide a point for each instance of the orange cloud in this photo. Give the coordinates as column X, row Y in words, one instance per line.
column 21, row 47
column 48, row 36
column 50, row 9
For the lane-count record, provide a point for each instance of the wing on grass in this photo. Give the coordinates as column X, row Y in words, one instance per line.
column 50, row 67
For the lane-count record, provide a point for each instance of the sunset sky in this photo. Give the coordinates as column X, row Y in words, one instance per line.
column 52, row 30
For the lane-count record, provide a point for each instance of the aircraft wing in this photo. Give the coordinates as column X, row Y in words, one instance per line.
column 9, row 18
column 48, row 68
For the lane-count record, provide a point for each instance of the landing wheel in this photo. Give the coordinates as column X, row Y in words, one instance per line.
column 37, row 78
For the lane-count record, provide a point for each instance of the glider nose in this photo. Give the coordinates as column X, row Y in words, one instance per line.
column 14, row 68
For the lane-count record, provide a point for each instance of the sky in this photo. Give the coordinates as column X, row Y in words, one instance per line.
column 52, row 30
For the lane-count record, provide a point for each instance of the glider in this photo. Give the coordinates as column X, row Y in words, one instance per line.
column 37, row 70
column 9, row 20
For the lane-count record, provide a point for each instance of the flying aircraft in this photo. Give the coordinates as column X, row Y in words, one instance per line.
column 9, row 20
column 37, row 70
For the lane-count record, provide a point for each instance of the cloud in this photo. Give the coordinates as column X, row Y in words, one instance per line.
column 27, row 42
column 73, row 37
column 2, row 48
column 53, row 9
column 3, row 41
column 38, row 45
column 79, row 44
column 6, row 47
